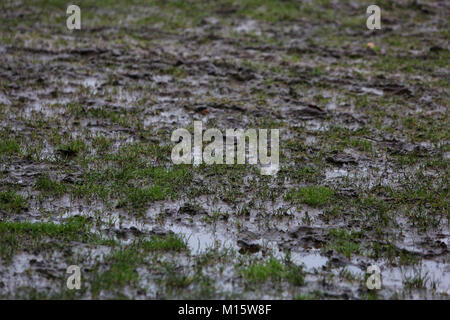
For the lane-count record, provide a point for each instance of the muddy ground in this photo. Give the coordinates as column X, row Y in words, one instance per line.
column 86, row 176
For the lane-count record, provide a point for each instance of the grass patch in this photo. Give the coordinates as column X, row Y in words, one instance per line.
column 49, row 186
column 138, row 197
column 9, row 147
column 12, row 202
column 343, row 241
column 164, row 184
column 170, row 242
column 124, row 262
column 72, row 148
column 314, row 196
column 122, row 271
column 16, row 236
column 274, row 270
column 394, row 255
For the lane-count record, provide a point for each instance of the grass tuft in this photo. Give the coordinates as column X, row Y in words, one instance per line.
column 12, row 202
column 314, row 196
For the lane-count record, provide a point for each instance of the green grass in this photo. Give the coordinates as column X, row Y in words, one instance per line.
column 102, row 143
column 412, row 65
column 305, row 296
column 178, row 14
column 424, row 199
column 314, row 196
column 133, row 176
column 124, row 262
column 72, row 148
column 417, row 281
column 164, row 184
column 121, row 117
column 170, row 242
column 304, row 174
column 49, row 186
column 345, row 247
column 67, row 230
column 343, row 241
column 294, row 274
column 362, row 145
column 91, row 190
column 139, row 197
column 270, row 269
column 139, row 152
column 16, row 236
column 9, row 147
column 122, row 271
column 274, row 270
column 389, row 251
column 12, row 202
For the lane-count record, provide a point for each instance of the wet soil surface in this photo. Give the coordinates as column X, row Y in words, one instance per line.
column 86, row 176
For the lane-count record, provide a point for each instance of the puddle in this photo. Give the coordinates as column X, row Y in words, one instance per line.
column 336, row 173
column 199, row 242
column 311, row 261
column 248, row 26
column 373, row 91
column 435, row 276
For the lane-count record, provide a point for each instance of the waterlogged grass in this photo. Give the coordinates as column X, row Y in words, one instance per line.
column 16, row 236
column 423, row 200
column 344, row 242
column 9, row 147
column 190, row 13
column 271, row 269
column 394, row 256
column 67, row 230
column 275, row 270
column 170, row 242
column 122, row 271
column 165, row 183
column 314, row 196
column 412, row 65
column 124, row 262
column 138, row 197
column 182, row 14
column 418, row 280
column 133, row 175
column 140, row 152
column 49, row 186
column 12, row 202
column 304, row 174
column 269, row 10
column 72, row 148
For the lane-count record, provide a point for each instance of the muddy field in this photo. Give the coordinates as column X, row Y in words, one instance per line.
column 86, row 176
